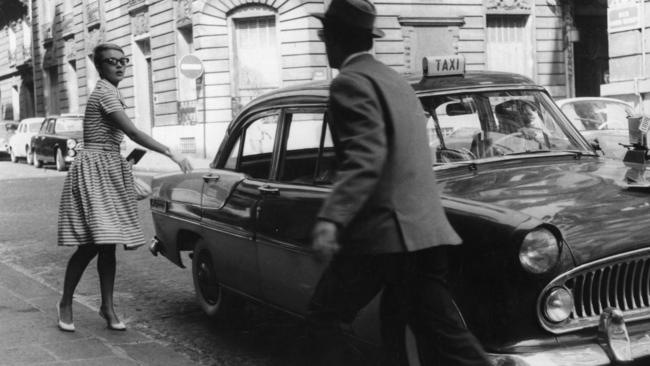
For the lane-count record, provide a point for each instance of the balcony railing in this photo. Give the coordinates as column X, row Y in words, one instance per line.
column 136, row 3
column 27, row 53
column 70, row 50
column 183, row 11
column 67, row 24
column 186, row 112
column 92, row 12
column 46, row 31
column 140, row 23
column 12, row 57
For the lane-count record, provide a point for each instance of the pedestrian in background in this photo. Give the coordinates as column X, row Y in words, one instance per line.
column 383, row 222
column 98, row 207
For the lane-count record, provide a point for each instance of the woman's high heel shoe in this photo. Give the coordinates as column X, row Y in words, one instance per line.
column 112, row 326
column 67, row 327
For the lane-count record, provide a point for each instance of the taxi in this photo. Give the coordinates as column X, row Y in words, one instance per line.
column 554, row 268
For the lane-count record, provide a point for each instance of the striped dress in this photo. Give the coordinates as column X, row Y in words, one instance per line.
column 98, row 202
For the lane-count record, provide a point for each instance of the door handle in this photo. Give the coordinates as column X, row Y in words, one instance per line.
column 211, row 177
column 268, row 190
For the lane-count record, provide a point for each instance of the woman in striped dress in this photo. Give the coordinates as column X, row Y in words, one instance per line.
column 98, row 207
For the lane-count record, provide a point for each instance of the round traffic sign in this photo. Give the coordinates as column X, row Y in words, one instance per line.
column 191, row 66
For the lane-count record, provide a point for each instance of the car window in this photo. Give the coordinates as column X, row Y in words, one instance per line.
column 458, row 122
column 308, row 155
column 253, row 156
column 470, row 126
column 69, row 125
column 32, row 127
column 598, row 114
column 47, row 127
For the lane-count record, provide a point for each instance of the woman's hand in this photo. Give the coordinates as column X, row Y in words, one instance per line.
column 182, row 162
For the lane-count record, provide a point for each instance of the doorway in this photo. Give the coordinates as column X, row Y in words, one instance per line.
column 591, row 52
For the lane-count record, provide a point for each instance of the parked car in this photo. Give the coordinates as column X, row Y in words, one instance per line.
column 20, row 141
column 601, row 119
column 57, row 140
column 554, row 268
column 7, row 129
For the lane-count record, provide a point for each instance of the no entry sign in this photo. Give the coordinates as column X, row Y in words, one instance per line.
column 191, row 66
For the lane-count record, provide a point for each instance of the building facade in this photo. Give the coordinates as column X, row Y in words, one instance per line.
column 248, row 47
column 16, row 71
column 629, row 65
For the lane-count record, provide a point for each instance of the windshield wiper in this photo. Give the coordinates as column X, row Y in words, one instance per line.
column 528, row 152
column 576, row 153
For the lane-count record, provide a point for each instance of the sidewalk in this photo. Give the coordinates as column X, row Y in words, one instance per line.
column 29, row 334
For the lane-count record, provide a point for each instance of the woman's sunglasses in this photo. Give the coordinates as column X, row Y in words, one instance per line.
column 114, row 61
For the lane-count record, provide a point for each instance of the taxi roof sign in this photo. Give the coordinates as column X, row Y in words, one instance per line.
column 443, row 65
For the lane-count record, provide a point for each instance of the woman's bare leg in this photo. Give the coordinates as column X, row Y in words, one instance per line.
column 106, row 265
column 73, row 272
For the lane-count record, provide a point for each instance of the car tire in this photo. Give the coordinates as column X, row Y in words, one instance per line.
column 37, row 163
column 28, row 156
column 215, row 301
column 60, row 162
column 12, row 156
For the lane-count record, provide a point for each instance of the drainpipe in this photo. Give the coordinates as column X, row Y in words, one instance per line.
column 643, row 58
column 34, row 89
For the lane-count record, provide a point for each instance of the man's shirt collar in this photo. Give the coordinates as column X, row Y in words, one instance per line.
column 353, row 56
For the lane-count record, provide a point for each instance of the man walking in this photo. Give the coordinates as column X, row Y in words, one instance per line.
column 383, row 222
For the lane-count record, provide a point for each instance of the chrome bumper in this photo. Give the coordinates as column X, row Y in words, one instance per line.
column 154, row 246
column 592, row 353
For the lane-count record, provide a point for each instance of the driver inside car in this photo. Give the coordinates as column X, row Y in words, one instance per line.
column 522, row 126
column 532, row 127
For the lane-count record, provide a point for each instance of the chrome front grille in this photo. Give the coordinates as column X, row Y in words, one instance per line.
column 621, row 281
column 625, row 286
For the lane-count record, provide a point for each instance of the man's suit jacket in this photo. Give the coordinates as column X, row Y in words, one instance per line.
column 385, row 198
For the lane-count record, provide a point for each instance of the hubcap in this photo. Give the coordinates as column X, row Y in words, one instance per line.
column 210, row 289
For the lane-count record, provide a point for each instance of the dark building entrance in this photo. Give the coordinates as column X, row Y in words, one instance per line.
column 591, row 54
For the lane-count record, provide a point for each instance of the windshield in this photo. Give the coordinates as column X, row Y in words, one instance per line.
column 69, row 125
column 471, row 126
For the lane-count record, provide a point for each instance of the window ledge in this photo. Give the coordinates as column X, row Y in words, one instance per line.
column 431, row 21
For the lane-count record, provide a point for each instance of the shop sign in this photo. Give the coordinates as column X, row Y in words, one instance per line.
column 622, row 15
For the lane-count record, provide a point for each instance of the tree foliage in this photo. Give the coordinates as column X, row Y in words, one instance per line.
column 12, row 10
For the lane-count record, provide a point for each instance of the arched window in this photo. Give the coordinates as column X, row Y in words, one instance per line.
column 255, row 52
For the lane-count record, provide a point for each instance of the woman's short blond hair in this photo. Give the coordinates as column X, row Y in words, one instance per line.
column 97, row 53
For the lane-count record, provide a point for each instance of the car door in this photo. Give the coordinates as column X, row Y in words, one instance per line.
column 19, row 141
column 229, row 203
column 40, row 138
column 288, row 207
column 49, row 139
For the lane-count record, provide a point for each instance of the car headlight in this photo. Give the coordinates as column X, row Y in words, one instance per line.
column 72, row 153
column 558, row 304
column 539, row 251
column 71, row 143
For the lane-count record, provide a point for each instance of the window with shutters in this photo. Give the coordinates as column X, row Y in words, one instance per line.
column 509, row 44
column 255, row 53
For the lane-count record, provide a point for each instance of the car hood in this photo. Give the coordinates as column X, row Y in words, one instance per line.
column 587, row 199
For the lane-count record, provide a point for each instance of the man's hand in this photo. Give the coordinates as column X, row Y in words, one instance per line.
column 324, row 239
column 529, row 133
